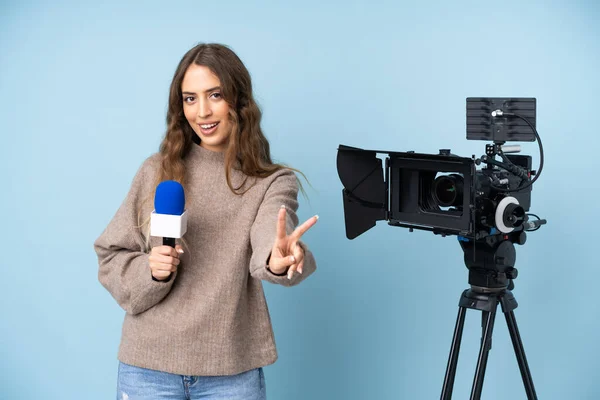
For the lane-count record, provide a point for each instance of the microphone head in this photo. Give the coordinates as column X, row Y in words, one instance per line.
column 169, row 198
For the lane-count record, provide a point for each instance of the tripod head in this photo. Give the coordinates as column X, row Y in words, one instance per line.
column 491, row 260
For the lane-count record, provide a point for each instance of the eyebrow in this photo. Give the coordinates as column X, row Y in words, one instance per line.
column 206, row 91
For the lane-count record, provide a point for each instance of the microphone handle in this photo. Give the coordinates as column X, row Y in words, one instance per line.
column 169, row 242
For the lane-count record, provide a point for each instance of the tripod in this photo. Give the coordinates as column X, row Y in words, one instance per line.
column 489, row 286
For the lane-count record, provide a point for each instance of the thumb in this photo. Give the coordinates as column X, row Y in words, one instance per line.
column 179, row 249
column 280, row 263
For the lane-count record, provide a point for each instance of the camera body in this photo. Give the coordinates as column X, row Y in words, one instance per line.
column 486, row 208
column 445, row 193
column 448, row 195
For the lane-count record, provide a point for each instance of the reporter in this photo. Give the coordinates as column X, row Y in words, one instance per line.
column 197, row 322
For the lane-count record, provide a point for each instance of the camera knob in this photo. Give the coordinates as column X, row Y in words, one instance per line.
column 444, row 152
column 522, row 238
column 512, row 273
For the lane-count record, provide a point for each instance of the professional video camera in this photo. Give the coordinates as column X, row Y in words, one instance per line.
column 487, row 209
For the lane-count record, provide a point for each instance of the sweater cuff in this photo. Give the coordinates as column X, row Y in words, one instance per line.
column 148, row 291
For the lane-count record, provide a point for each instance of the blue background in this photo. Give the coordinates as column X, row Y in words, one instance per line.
column 83, row 94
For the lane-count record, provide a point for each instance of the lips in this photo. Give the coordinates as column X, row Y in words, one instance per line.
column 208, row 128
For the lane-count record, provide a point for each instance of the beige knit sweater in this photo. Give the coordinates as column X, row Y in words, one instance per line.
column 211, row 317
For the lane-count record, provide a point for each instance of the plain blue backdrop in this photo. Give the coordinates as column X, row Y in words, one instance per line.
column 83, row 94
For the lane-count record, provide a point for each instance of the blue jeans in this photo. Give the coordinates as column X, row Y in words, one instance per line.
column 135, row 383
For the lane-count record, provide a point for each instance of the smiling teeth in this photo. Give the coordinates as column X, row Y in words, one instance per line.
column 208, row 126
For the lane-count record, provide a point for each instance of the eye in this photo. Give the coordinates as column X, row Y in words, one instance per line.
column 215, row 95
column 188, row 99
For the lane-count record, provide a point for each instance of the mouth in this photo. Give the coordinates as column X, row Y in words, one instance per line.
column 208, row 129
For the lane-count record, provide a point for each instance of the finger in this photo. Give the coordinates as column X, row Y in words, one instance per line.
column 161, row 275
column 166, row 251
column 300, row 265
column 291, row 271
column 301, row 230
column 281, row 216
column 163, row 267
column 165, row 259
column 299, row 256
column 281, row 263
column 179, row 249
column 298, row 251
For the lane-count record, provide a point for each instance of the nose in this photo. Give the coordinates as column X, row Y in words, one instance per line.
column 204, row 109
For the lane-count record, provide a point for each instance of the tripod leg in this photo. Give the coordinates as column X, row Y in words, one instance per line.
column 484, row 317
column 520, row 353
column 483, row 354
column 453, row 358
column 488, row 346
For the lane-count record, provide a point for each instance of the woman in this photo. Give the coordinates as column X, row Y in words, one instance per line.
column 196, row 322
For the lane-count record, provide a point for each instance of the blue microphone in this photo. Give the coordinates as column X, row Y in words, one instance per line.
column 169, row 218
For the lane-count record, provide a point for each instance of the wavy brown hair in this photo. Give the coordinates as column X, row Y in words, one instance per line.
column 248, row 149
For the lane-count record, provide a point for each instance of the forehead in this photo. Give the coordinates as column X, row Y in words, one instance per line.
column 199, row 78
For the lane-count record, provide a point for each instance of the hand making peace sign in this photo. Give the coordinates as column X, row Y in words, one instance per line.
column 286, row 251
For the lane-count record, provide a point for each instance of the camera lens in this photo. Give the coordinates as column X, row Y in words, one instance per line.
column 448, row 190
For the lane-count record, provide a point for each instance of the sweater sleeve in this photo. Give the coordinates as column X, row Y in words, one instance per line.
column 283, row 190
column 123, row 264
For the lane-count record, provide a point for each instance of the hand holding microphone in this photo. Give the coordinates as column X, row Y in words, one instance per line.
column 164, row 261
column 169, row 221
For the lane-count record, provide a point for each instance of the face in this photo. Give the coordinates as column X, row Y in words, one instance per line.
column 204, row 107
